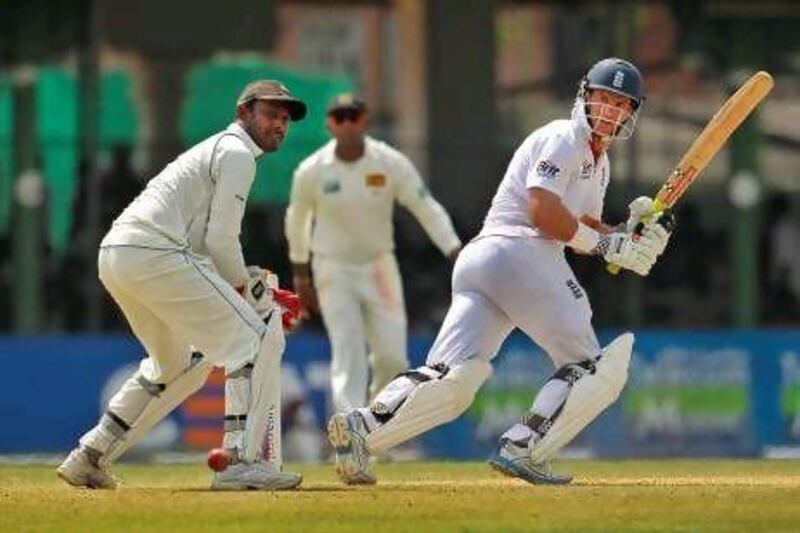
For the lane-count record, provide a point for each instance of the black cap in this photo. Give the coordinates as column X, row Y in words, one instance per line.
column 346, row 101
column 273, row 91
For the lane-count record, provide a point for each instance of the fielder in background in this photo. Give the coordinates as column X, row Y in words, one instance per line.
column 514, row 275
column 173, row 263
column 341, row 206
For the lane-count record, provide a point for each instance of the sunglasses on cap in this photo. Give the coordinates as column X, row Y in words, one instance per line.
column 342, row 115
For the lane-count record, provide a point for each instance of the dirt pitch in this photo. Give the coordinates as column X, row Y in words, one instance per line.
column 699, row 495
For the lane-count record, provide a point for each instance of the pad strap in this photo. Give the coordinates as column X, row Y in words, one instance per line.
column 392, row 396
column 545, row 411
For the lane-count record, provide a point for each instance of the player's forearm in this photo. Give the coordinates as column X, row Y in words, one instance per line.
column 550, row 216
column 226, row 254
column 301, row 270
column 437, row 224
column 600, row 226
column 298, row 233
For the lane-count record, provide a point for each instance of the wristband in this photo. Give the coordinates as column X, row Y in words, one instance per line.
column 585, row 239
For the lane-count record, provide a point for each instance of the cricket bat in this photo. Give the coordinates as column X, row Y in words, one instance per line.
column 710, row 141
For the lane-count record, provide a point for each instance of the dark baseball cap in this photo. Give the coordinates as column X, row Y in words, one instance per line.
column 273, row 91
column 346, row 101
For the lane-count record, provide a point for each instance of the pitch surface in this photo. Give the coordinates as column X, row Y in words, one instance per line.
column 698, row 495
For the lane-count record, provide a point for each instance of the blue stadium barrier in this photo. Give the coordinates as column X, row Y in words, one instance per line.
column 714, row 393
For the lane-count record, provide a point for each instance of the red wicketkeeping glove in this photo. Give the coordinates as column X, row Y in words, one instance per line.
column 291, row 307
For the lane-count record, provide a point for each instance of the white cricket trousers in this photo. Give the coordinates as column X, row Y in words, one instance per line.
column 500, row 283
column 174, row 300
column 362, row 305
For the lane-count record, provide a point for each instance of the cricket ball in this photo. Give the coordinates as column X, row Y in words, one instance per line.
column 218, row 459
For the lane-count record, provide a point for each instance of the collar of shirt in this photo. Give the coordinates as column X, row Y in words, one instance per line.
column 580, row 122
column 239, row 131
column 329, row 155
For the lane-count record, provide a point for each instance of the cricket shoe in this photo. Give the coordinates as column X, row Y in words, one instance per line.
column 81, row 468
column 514, row 460
column 259, row 475
column 347, row 433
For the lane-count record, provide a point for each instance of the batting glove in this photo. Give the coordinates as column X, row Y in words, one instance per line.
column 658, row 230
column 629, row 251
column 638, row 209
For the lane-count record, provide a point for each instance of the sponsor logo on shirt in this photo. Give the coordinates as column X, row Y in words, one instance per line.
column 573, row 286
column 331, row 187
column 547, row 169
column 376, row 180
column 239, row 197
column 587, row 167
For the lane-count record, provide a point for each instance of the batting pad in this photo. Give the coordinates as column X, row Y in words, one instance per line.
column 589, row 397
column 262, row 431
column 431, row 404
column 158, row 407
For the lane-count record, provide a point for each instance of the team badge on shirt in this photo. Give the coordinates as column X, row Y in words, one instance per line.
column 376, row 180
column 547, row 169
column 587, row 167
column 330, row 187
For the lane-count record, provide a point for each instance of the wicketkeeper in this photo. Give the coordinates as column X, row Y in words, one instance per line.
column 173, row 263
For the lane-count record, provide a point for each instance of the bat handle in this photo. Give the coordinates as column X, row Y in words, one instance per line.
column 613, row 269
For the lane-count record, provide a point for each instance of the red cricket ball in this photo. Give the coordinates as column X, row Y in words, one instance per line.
column 218, row 459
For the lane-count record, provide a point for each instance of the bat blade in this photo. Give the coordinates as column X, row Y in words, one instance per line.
column 710, row 141
column 713, row 137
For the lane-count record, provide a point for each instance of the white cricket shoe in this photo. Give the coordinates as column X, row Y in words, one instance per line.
column 514, row 460
column 259, row 475
column 347, row 433
column 80, row 469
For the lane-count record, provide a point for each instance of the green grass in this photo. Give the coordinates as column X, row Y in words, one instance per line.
column 701, row 495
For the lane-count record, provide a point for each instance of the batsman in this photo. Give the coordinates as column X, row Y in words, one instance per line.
column 173, row 263
column 514, row 275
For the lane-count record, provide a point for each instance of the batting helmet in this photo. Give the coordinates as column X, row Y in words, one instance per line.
column 615, row 75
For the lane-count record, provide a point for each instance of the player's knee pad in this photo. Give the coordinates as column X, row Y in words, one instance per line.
column 590, row 394
column 252, row 400
column 391, row 397
column 433, row 397
column 464, row 381
column 383, row 372
column 144, row 404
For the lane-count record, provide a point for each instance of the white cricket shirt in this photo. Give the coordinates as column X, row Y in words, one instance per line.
column 555, row 157
column 351, row 205
column 196, row 204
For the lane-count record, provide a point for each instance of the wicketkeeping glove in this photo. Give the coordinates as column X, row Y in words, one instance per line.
column 263, row 294
column 258, row 290
column 291, row 308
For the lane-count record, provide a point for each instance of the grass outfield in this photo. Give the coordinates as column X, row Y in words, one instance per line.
column 613, row 496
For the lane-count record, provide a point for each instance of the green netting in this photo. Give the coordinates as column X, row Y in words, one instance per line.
column 57, row 112
column 119, row 122
column 57, row 133
column 212, row 89
column 6, row 151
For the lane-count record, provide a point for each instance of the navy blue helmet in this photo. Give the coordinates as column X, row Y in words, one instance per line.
column 615, row 75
